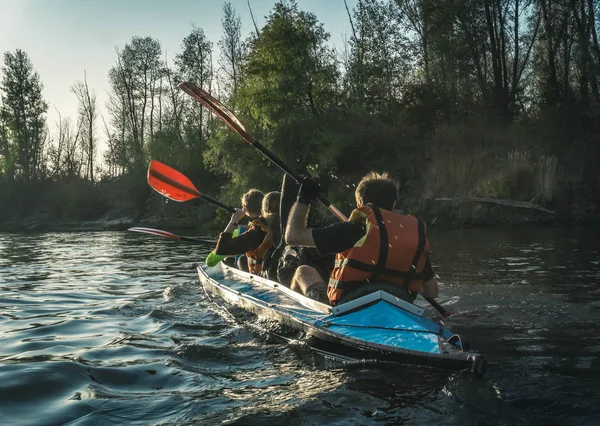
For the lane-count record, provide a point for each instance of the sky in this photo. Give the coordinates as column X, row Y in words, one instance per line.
column 64, row 38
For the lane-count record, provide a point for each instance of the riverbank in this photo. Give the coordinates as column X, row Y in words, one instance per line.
column 113, row 205
column 204, row 220
column 106, row 223
column 118, row 204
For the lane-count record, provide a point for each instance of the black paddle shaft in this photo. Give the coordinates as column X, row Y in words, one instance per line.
column 289, row 171
column 218, row 204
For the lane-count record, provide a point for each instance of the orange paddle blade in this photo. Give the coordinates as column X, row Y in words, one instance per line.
column 171, row 183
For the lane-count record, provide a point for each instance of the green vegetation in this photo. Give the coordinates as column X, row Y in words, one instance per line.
column 495, row 99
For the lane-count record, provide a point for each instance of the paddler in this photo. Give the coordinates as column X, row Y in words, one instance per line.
column 227, row 245
column 255, row 242
column 291, row 257
column 377, row 249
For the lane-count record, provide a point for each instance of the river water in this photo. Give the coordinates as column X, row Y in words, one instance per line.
column 113, row 328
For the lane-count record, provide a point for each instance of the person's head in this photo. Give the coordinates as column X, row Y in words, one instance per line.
column 270, row 212
column 377, row 188
column 270, row 204
column 252, row 202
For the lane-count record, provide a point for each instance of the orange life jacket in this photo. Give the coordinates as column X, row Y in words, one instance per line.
column 393, row 250
column 255, row 257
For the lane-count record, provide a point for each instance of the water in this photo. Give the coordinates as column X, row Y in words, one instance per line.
column 113, row 328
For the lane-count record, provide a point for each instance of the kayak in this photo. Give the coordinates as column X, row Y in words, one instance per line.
column 378, row 326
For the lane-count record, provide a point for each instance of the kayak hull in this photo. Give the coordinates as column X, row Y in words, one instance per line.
column 376, row 327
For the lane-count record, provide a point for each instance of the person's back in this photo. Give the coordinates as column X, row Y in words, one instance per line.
column 376, row 249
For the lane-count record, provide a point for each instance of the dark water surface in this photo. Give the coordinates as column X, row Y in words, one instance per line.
column 113, row 328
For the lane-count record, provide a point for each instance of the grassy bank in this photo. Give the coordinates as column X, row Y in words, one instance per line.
column 506, row 162
column 457, row 188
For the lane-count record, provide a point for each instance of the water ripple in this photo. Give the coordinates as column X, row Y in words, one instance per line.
column 113, row 328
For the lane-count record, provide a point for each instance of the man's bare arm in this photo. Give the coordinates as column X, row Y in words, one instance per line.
column 430, row 288
column 296, row 233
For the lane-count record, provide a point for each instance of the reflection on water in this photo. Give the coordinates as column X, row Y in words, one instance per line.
column 113, row 328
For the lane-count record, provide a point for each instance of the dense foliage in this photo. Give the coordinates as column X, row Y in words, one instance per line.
column 473, row 98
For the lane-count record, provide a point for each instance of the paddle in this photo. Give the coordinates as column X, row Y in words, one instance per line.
column 176, row 186
column 234, row 124
column 438, row 307
column 169, row 235
column 229, row 118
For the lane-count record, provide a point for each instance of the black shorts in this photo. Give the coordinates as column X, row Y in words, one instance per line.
column 293, row 257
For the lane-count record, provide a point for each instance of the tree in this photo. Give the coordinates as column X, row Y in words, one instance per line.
column 194, row 64
column 65, row 153
column 132, row 103
column 22, row 111
column 231, row 49
column 381, row 55
column 588, row 52
column 502, row 17
column 88, row 112
column 290, row 67
column 5, row 154
column 288, row 87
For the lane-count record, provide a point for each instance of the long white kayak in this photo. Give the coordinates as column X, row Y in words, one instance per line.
column 377, row 326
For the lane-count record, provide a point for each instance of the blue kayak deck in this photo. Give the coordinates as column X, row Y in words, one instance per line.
column 385, row 324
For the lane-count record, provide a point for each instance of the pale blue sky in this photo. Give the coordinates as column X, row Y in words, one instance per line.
column 65, row 37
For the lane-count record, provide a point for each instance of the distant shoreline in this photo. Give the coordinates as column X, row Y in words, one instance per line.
column 443, row 219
